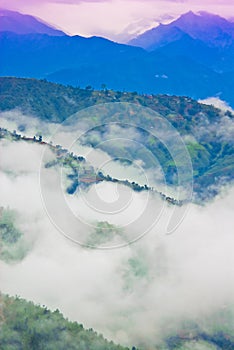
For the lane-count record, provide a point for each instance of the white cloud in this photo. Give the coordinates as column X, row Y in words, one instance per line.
column 102, row 289
column 218, row 103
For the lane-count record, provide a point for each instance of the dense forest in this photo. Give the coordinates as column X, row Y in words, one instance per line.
column 55, row 102
column 26, row 326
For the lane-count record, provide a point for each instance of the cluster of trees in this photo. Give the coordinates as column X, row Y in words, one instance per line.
column 26, row 326
column 201, row 340
column 12, row 247
column 55, row 102
column 9, row 234
column 138, row 188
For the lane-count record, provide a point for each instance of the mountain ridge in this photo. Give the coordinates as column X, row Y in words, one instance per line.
column 80, row 61
column 209, row 28
column 180, row 64
column 13, row 21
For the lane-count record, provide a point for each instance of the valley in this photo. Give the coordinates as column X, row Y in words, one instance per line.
column 116, row 175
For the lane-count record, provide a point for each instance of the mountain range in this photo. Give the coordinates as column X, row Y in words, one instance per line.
column 203, row 37
column 191, row 56
column 212, row 30
column 12, row 21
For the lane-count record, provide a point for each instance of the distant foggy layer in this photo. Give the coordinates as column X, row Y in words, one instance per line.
column 145, row 294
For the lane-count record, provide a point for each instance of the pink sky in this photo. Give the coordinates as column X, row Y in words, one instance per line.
column 115, row 19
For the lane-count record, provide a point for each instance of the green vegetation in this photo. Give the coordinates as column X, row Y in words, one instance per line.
column 8, row 233
column 103, row 233
column 25, row 326
column 12, row 247
column 55, row 102
column 136, row 270
column 212, row 153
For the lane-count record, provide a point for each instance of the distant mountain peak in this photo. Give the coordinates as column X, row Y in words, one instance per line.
column 13, row 21
column 188, row 14
column 200, row 15
column 211, row 29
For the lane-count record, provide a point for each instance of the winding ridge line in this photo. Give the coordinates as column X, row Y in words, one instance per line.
column 88, row 175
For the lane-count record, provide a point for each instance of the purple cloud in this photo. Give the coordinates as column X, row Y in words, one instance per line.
column 15, row 3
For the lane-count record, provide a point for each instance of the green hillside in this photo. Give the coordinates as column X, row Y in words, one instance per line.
column 55, row 102
column 26, row 326
column 204, row 129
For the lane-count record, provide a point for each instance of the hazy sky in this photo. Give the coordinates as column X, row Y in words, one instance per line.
column 115, row 19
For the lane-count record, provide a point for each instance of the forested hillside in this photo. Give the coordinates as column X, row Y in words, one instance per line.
column 26, row 326
column 206, row 130
column 55, row 102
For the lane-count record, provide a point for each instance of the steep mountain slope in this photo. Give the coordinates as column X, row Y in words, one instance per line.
column 206, row 130
column 24, row 325
column 157, row 37
column 37, row 55
column 212, row 30
column 204, row 38
column 11, row 21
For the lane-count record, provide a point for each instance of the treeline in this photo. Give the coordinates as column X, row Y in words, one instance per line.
column 56, row 102
column 82, row 173
column 201, row 126
column 26, row 326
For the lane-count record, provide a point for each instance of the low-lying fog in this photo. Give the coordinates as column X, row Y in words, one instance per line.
column 133, row 295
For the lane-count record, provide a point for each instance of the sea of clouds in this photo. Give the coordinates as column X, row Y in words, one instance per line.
column 136, row 294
